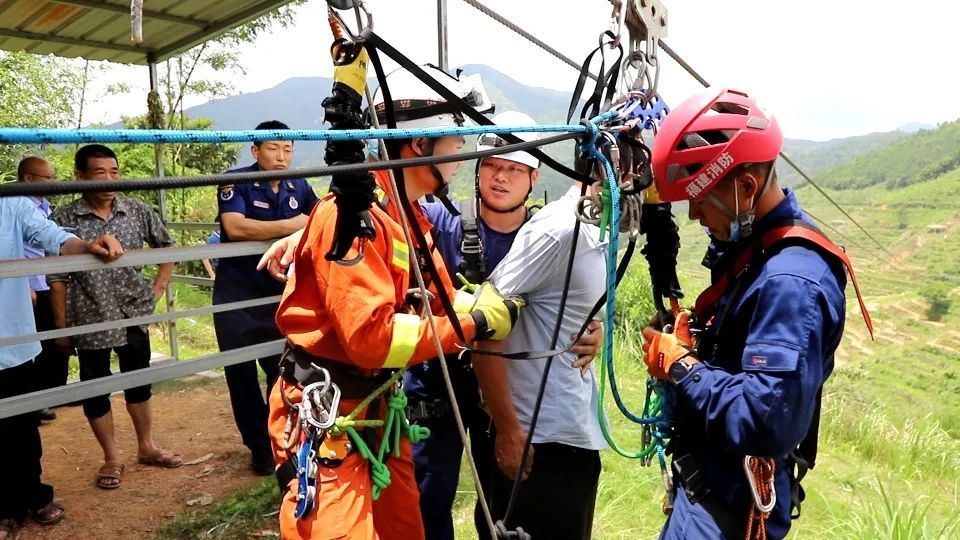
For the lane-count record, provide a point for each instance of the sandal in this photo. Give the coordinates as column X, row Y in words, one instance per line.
column 49, row 514
column 8, row 529
column 110, row 475
column 161, row 458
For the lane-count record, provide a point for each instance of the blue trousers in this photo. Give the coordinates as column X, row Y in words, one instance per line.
column 437, row 461
column 690, row 521
column 247, row 399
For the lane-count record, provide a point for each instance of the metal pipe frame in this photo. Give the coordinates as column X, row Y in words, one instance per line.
column 137, row 321
column 138, row 257
column 87, row 389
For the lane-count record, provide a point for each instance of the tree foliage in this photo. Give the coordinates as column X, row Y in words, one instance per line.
column 35, row 91
column 50, row 92
column 938, row 302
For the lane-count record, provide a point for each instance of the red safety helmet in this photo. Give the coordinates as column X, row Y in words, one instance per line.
column 708, row 135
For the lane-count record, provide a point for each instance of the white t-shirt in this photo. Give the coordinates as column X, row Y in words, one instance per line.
column 535, row 268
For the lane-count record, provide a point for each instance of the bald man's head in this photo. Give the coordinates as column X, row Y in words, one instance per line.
column 34, row 169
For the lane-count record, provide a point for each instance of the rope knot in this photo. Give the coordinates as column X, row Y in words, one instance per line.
column 340, row 426
column 591, row 133
column 380, row 475
column 397, row 401
column 417, row 433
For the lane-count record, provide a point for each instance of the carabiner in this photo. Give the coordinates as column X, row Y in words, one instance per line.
column 752, row 481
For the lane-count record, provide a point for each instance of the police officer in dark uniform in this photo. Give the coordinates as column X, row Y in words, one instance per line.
column 257, row 211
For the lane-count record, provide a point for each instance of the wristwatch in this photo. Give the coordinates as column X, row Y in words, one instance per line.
column 682, row 367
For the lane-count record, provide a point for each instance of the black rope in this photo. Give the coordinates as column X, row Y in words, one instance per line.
column 376, row 41
column 13, row 189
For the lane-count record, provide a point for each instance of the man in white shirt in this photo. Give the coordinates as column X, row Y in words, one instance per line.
column 558, row 492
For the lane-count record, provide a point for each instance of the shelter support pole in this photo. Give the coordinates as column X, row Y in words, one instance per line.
column 155, row 116
column 443, row 58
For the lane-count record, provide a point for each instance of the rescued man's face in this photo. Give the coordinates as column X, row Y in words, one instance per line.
column 504, row 184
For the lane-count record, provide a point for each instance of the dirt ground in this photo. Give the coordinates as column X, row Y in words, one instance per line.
column 193, row 421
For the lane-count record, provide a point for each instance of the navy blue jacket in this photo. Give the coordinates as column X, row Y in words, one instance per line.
column 763, row 366
column 237, row 277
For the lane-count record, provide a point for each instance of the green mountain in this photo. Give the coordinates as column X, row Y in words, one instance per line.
column 815, row 157
column 923, row 156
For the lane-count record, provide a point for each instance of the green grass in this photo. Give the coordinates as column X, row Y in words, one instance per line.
column 246, row 511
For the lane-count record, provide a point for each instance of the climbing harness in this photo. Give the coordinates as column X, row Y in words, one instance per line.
column 317, row 434
column 471, row 245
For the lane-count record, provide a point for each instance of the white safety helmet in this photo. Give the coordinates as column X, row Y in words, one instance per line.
column 488, row 141
column 416, row 105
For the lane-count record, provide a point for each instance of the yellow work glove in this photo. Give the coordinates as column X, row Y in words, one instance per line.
column 494, row 314
column 465, row 297
column 662, row 350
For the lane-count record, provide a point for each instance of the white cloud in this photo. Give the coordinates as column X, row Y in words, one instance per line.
column 825, row 68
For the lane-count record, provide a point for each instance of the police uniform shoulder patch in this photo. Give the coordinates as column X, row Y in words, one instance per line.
column 226, row 192
column 293, row 203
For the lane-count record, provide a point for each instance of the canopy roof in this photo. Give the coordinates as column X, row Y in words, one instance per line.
column 100, row 29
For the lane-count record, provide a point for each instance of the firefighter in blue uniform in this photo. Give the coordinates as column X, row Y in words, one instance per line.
column 258, row 211
column 748, row 391
column 471, row 244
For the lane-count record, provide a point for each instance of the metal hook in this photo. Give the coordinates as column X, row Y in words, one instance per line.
column 752, row 481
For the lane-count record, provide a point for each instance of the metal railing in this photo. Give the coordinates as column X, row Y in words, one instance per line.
column 77, row 263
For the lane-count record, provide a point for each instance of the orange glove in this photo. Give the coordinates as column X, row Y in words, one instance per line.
column 681, row 328
column 662, row 350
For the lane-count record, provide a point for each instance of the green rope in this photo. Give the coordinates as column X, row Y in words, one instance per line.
column 394, row 425
column 651, row 409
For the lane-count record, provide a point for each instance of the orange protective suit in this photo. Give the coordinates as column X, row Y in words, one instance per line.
column 354, row 313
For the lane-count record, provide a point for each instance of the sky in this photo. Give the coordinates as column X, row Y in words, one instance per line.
column 824, row 68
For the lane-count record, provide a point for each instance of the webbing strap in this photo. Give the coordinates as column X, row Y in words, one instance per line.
column 471, row 246
column 792, row 230
column 602, row 96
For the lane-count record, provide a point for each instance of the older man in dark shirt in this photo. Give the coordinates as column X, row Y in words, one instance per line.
column 95, row 296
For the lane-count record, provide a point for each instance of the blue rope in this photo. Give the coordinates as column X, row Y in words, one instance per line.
column 659, row 422
column 592, row 148
column 155, row 136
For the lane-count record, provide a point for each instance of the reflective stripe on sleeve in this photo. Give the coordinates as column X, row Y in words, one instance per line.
column 401, row 255
column 406, row 334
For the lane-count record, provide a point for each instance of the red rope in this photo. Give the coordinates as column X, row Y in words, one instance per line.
column 762, row 471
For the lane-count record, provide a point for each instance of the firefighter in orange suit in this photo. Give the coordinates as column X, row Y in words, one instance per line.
column 356, row 320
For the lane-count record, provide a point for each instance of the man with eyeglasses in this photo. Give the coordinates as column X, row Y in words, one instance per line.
column 50, row 366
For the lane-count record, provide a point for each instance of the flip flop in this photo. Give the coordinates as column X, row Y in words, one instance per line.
column 161, row 458
column 49, row 514
column 110, row 475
